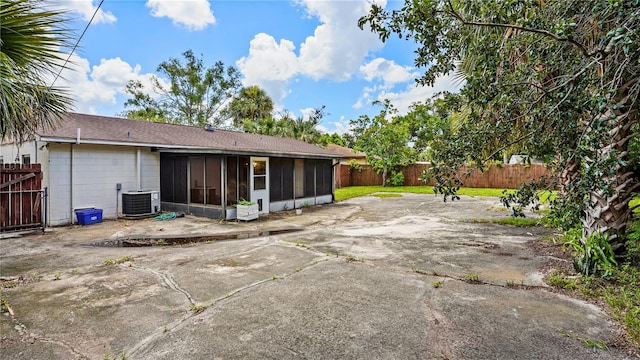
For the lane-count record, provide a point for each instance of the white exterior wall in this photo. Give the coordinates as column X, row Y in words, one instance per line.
column 10, row 152
column 85, row 175
column 149, row 170
column 58, row 181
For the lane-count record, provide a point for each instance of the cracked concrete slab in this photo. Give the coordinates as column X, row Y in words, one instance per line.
column 365, row 278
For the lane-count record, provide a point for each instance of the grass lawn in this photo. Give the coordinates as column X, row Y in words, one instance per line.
column 355, row 191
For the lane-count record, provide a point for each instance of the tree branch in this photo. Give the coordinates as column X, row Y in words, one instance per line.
column 546, row 33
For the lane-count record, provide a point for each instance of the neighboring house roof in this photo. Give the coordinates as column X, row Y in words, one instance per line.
column 345, row 152
column 119, row 131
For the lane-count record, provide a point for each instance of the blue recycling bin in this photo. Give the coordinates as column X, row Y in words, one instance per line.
column 89, row 216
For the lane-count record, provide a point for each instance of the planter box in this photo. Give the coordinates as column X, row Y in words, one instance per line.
column 247, row 212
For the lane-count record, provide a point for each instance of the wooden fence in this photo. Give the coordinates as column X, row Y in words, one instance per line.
column 21, row 196
column 497, row 177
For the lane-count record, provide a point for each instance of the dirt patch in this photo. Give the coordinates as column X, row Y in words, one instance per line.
column 483, row 244
column 187, row 240
column 559, row 259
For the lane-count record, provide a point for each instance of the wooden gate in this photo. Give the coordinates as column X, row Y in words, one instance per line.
column 21, row 197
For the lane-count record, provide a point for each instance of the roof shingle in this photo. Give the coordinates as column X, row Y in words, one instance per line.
column 125, row 131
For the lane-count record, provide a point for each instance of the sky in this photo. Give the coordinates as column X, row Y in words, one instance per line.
column 305, row 54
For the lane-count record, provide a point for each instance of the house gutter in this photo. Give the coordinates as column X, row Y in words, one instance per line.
column 103, row 142
column 246, row 153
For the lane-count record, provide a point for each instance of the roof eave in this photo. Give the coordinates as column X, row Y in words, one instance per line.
column 182, row 150
column 109, row 142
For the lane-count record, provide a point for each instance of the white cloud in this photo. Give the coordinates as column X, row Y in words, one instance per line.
column 193, row 14
column 338, row 46
column 269, row 65
column 416, row 93
column 307, row 112
column 86, row 9
column 335, row 51
column 99, row 85
column 387, row 71
column 341, row 126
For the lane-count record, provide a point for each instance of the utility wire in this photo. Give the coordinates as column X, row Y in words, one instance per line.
column 76, row 45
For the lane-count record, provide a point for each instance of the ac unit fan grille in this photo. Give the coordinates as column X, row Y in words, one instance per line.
column 136, row 204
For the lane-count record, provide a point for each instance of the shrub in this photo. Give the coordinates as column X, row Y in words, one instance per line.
column 397, row 178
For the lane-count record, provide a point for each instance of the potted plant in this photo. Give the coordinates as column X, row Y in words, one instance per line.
column 246, row 210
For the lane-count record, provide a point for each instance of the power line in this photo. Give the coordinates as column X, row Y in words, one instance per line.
column 76, row 45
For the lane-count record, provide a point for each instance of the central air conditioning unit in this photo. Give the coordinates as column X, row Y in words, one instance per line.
column 140, row 202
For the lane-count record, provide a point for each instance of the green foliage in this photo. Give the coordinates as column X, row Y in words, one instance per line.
column 4, row 304
column 198, row 308
column 384, row 141
column 518, row 200
column 556, row 80
column 560, row 281
column 108, row 356
column 345, row 140
column 472, row 278
column 195, row 95
column 32, row 39
column 397, row 178
column 301, row 128
column 121, row 260
column 593, row 255
column 633, row 242
column 251, row 104
column 623, row 295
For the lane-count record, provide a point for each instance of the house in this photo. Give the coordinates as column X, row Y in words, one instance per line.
column 91, row 161
column 349, row 160
column 348, row 156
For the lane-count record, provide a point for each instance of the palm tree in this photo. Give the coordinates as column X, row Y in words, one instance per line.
column 252, row 103
column 30, row 41
column 306, row 129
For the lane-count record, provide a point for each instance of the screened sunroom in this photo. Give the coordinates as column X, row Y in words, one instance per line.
column 211, row 184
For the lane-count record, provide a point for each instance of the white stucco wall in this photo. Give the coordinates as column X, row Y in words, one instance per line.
column 85, row 175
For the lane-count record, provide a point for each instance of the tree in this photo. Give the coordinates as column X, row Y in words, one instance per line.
column 385, row 142
column 430, row 120
column 333, row 138
column 195, row 95
column 306, row 129
column 147, row 108
column 252, row 103
column 559, row 76
column 266, row 126
column 300, row 128
column 30, row 57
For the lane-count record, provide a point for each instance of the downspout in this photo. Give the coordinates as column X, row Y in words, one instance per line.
column 223, row 187
column 71, row 179
column 71, row 187
column 138, row 169
column 333, row 180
